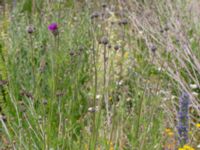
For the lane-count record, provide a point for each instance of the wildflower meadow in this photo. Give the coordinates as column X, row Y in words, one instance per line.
column 99, row 75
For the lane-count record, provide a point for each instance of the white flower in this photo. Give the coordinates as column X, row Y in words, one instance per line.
column 98, row 96
column 119, row 82
column 93, row 109
column 128, row 99
column 193, row 86
column 195, row 93
column 173, row 97
column 198, row 146
column 159, row 68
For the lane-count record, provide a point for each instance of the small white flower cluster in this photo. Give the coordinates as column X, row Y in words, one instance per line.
column 93, row 109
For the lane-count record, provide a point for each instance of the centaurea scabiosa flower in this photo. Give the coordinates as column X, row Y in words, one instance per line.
column 183, row 118
column 53, row 27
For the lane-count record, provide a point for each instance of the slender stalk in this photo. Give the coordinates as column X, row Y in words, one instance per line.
column 33, row 7
column 53, row 80
column 32, row 61
column 94, row 97
column 60, row 117
column 94, row 55
column 105, row 84
column 122, row 53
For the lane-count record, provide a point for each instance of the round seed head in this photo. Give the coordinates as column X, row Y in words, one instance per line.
column 124, row 22
column 45, row 102
column 116, row 47
column 30, row 29
column 104, row 5
column 94, row 15
column 104, row 40
column 81, row 48
column 161, row 30
column 153, row 48
column 71, row 53
column 109, row 46
column 166, row 28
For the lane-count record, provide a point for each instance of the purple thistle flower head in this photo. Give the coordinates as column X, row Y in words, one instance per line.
column 53, row 27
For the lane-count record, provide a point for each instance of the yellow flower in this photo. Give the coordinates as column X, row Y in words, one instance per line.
column 111, row 146
column 126, row 55
column 187, row 147
column 198, row 125
column 170, row 133
column 110, row 98
column 167, row 130
column 86, row 147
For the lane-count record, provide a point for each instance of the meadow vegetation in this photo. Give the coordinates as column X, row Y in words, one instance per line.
column 100, row 75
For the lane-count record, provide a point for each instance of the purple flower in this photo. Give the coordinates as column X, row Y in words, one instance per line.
column 53, row 27
column 183, row 118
